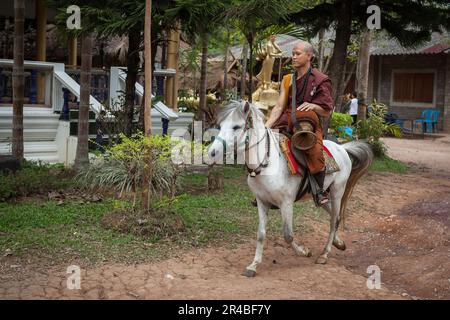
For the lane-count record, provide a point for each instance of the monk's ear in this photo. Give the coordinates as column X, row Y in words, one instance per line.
column 246, row 107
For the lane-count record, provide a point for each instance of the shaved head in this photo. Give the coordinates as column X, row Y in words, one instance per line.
column 305, row 46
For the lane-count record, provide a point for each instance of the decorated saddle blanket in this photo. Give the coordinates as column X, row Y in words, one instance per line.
column 294, row 163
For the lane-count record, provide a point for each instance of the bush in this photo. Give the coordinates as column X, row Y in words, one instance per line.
column 35, row 178
column 340, row 121
column 122, row 166
column 375, row 126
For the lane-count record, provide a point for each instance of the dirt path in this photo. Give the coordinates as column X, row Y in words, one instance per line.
column 398, row 222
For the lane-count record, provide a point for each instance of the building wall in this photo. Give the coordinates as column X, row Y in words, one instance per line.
column 382, row 67
column 446, row 117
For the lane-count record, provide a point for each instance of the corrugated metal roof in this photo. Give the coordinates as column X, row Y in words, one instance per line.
column 439, row 42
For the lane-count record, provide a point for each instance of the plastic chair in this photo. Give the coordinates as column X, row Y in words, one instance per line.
column 436, row 115
column 426, row 120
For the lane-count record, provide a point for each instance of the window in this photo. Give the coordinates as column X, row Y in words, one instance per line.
column 413, row 87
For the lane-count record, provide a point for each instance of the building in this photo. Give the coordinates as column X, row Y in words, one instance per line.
column 409, row 80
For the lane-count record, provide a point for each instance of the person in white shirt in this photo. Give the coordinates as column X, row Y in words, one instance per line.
column 353, row 109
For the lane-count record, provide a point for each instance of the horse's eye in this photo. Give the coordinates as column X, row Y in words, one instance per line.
column 236, row 127
column 218, row 127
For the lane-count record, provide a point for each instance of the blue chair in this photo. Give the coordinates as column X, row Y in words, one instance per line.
column 436, row 115
column 426, row 120
column 348, row 131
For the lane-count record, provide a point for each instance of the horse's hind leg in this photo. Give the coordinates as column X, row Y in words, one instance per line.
column 250, row 271
column 287, row 216
column 336, row 197
column 337, row 242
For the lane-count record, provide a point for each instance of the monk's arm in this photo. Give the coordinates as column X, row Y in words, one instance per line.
column 307, row 106
column 278, row 110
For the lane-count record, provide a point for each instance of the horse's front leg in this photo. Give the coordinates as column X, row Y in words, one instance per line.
column 287, row 212
column 263, row 208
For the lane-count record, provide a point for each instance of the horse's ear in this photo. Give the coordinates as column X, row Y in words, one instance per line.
column 246, row 107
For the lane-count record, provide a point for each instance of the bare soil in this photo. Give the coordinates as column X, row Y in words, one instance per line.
column 399, row 222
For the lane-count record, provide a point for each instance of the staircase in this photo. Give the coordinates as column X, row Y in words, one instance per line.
column 40, row 128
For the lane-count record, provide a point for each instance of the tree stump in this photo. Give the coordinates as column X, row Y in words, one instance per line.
column 215, row 178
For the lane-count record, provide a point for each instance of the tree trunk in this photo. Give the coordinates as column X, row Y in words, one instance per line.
column 147, row 105
column 250, row 45
column 225, row 67
column 18, row 79
column 362, row 73
column 130, row 82
column 320, row 58
column 215, row 178
column 343, row 32
column 82, row 155
column 203, row 83
column 244, row 69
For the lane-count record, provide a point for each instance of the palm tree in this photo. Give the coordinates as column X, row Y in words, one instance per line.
column 82, row 155
column 18, row 79
column 198, row 19
column 254, row 16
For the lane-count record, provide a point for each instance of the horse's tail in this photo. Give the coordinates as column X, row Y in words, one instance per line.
column 361, row 155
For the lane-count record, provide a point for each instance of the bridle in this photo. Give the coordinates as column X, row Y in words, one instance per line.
column 247, row 127
column 265, row 162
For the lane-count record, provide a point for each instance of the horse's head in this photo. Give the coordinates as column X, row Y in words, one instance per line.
column 235, row 122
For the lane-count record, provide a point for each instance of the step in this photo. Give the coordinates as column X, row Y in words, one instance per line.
column 31, row 122
column 32, row 148
column 44, row 134
column 44, row 158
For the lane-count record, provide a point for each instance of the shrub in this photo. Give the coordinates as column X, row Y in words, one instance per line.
column 340, row 121
column 373, row 128
column 122, row 166
column 35, row 178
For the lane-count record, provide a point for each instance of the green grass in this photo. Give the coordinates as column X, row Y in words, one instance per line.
column 388, row 164
column 66, row 231
column 74, row 229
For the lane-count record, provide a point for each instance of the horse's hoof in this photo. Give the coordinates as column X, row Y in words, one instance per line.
column 249, row 273
column 305, row 252
column 321, row 260
column 308, row 253
column 340, row 245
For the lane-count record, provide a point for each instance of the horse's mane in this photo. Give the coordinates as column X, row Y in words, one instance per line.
column 238, row 106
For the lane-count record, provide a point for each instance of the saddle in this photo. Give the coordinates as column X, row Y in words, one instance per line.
column 296, row 158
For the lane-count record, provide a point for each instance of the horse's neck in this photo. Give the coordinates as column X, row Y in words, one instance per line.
column 258, row 153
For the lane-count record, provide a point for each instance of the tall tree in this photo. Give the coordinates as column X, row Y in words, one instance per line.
column 198, row 19
column 147, row 105
column 253, row 16
column 408, row 21
column 120, row 18
column 18, row 79
column 244, row 69
column 82, row 154
column 362, row 73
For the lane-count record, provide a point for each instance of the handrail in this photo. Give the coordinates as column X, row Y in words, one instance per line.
column 59, row 74
column 165, row 111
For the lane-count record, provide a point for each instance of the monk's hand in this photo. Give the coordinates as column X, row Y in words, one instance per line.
column 306, row 106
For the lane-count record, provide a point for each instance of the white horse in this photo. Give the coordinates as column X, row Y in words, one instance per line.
column 273, row 184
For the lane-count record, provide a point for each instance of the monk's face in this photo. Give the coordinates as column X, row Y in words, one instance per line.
column 300, row 58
